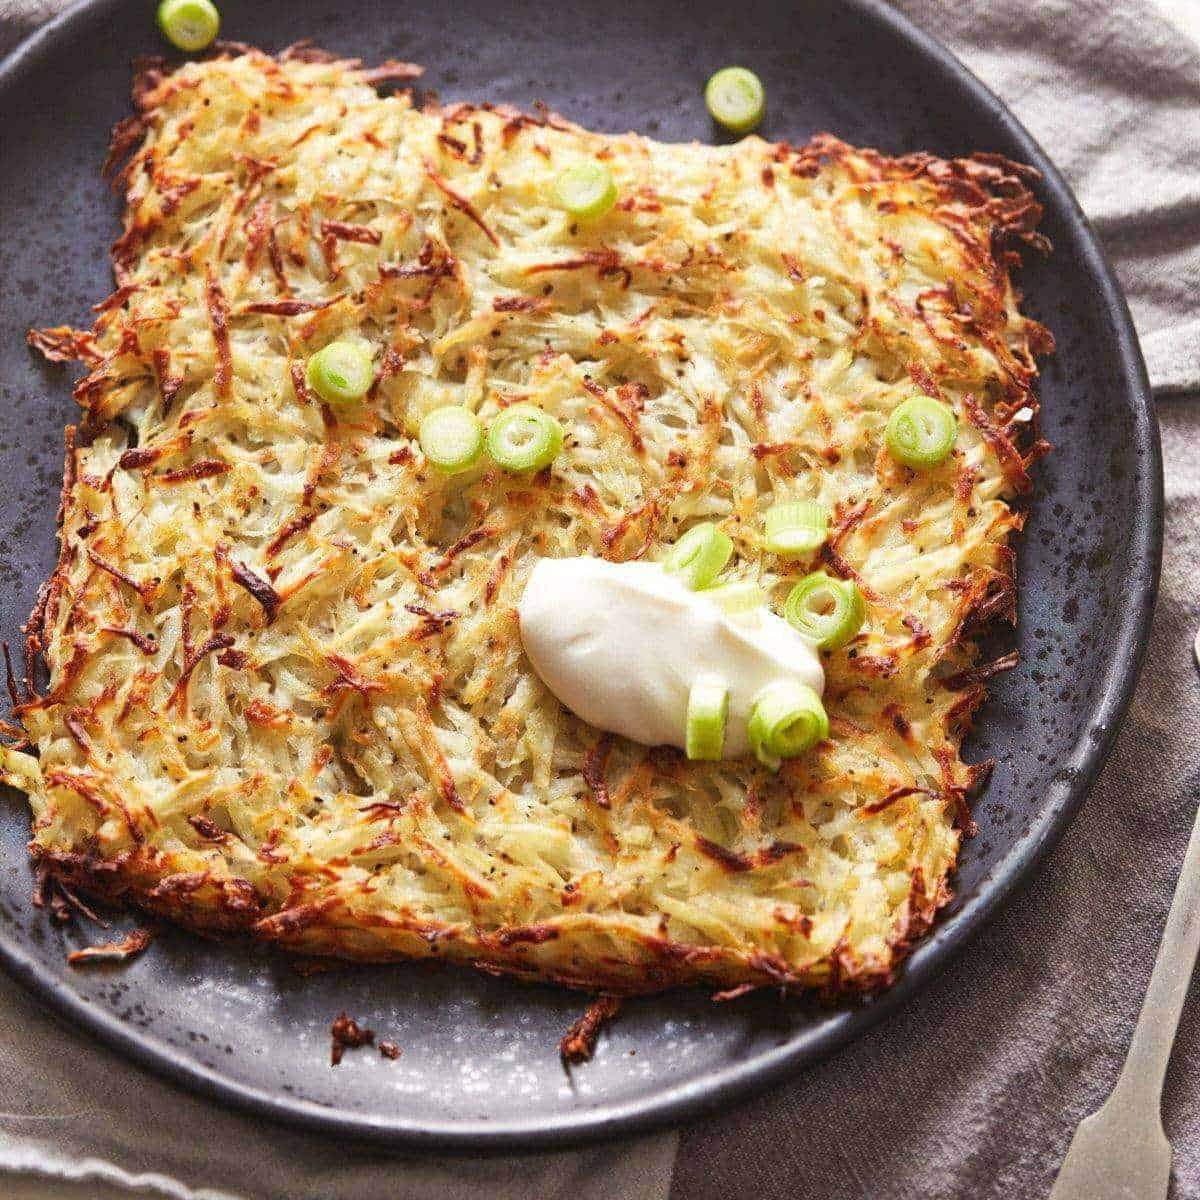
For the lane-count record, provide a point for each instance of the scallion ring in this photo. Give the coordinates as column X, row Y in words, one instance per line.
column 524, row 438
column 736, row 99
column 826, row 611
column 700, row 555
column 795, row 528
column 921, row 432
column 737, row 599
column 189, row 25
column 341, row 373
column 451, row 438
column 707, row 711
column 788, row 718
column 586, row 189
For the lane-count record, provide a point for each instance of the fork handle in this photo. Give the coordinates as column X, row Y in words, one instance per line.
column 1141, row 1081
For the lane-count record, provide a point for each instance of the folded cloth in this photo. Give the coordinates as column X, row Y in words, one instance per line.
column 974, row 1089
column 1110, row 89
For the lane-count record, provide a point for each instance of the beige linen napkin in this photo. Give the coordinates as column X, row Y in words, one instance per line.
column 972, row 1091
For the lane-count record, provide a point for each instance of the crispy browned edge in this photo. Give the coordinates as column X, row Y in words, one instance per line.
column 987, row 184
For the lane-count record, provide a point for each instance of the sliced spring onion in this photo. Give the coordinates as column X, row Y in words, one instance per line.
column 795, row 528
column 586, row 189
column 451, row 438
column 738, row 599
column 700, row 555
column 921, row 432
column 189, row 25
column 341, row 373
column 524, row 438
column 736, row 99
column 826, row 611
column 708, row 708
column 788, row 718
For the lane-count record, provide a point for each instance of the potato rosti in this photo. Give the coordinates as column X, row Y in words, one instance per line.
column 287, row 691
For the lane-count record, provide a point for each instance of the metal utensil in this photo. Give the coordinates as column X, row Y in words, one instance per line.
column 1120, row 1152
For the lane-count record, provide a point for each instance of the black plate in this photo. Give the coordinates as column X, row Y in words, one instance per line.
column 480, row 1065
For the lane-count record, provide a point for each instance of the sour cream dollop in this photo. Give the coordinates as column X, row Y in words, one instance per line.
column 620, row 645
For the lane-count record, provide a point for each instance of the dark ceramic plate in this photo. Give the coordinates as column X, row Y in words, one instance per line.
column 480, row 1065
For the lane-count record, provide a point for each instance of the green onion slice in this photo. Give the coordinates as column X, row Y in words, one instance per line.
column 586, row 189
column 921, row 432
column 736, row 99
column 189, row 25
column 341, row 373
column 826, row 611
column 796, row 528
column 700, row 555
column 788, row 718
column 451, row 438
column 738, row 598
column 707, row 711
column 524, row 438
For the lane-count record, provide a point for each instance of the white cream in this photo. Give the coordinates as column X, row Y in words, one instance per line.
column 620, row 645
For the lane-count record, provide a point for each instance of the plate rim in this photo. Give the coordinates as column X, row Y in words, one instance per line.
column 716, row 1089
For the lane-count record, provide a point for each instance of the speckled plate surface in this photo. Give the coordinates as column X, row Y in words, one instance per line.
column 480, row 1066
